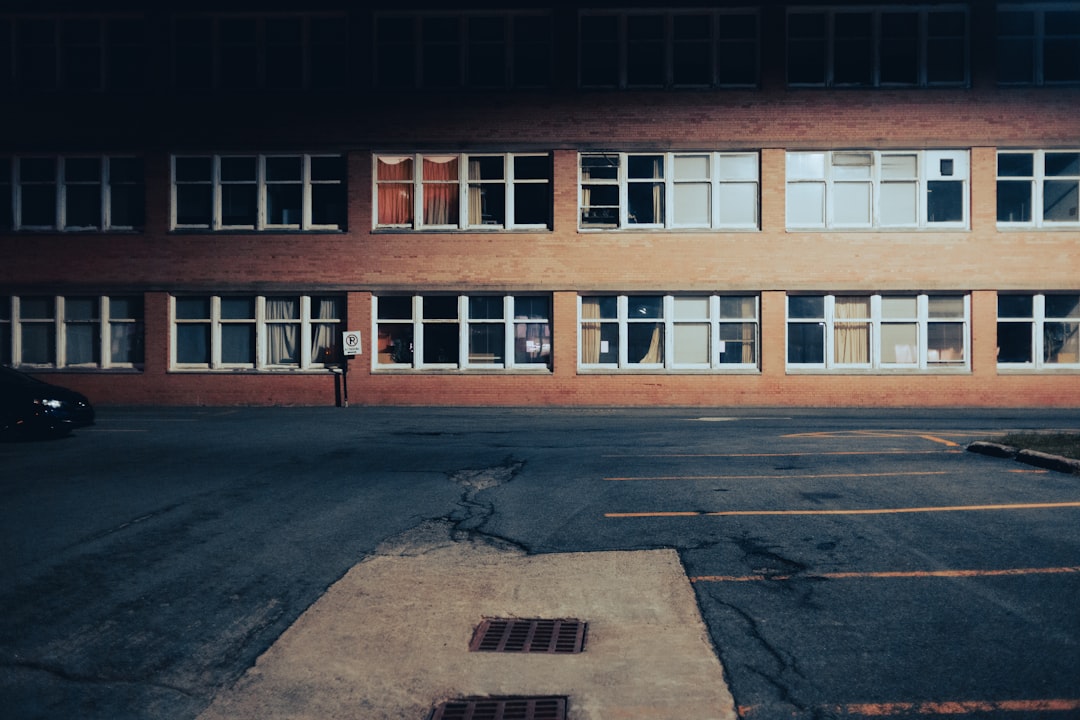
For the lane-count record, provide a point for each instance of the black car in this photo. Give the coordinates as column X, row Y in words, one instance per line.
column 34, row 407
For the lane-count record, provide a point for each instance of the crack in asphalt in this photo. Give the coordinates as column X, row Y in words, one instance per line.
column 468, row 525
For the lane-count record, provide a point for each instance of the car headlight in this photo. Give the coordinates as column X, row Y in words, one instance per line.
column 49, row 403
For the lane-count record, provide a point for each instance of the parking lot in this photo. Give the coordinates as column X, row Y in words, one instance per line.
column 845, row 563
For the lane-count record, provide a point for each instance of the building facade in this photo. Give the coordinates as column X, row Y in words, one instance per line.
column 711, row 204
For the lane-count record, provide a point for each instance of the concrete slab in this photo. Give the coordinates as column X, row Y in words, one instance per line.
column 389, row 641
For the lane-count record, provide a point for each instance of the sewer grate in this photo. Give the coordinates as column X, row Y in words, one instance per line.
column 515, row 708
column 519, row 635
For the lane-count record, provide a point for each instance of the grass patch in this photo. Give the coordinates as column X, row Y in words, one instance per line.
column 1065, row 444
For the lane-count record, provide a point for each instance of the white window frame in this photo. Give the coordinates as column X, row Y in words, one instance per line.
column 924, row 359
column 103, row 326
column 261, row 323
column 60, row 185
column 261, row 223
column 669, row 321
column 463, row 322
column 462, row 181
column 1037, row 323
column 719, row 187
column 932, row 166
column 624, row 49
column 922, row 61
column 1037, row 184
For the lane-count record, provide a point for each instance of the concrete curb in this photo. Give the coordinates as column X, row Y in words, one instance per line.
column 1029, row 457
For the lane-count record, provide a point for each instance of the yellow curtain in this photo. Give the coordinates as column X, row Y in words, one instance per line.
column 590, row 331
column 852, row 339
column 655, row 354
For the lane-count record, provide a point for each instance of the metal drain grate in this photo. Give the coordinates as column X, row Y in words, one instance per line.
column 534, row 708
column 517, row 635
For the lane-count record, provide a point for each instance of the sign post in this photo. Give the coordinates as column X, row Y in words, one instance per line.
column 351, row 345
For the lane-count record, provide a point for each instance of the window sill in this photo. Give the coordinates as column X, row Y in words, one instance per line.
column 880, row 371
column 668, row 371
column 541, row 371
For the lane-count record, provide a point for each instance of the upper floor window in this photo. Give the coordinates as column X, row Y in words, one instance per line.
column 668, row 331
column 665, row 48
column 468, row 191
column 258, row 192
column 266, row 51
column 72, row 331
column 1038, row 44
column 877, row 331
column 483, row 332
column 1039, row 330
column 71, row 193
column 1038, row 187
column 257, row 332
column 74, row 53
column 669, row 190
column 481, row 50
column 866, row 188
column 871, row 47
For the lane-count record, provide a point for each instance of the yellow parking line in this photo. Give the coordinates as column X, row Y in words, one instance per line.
column 886, row 575
column 908, row 709
column 865, row 511
column 782, row 477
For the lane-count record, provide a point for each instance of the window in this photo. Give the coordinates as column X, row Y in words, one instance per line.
column 1038, row 187
column 870, row 47
column 1039, row 330
column 864, row 189
column 256, row 332
column 63, row 332
column 506, row 191
column 668, row 332
column 1038, row 45
column 473, row 51
column 668, row 49
column 669, row 190
column 72, row 193
column 916, row 332
column 258, row 192
column 430, row 332
column 77, row 53
column 265, row 52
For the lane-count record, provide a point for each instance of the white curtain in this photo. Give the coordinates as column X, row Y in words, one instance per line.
column 284, row 337
column 323, row 335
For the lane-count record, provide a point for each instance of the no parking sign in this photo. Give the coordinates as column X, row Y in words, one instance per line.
column 350, row 342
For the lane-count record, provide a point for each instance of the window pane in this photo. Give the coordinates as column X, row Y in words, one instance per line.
column 440, row 307
column 900, row 308
column 645, row 343
column 193, row 344
column 328, row 205
column 738, row 343
column 1014, row 200
column 853, row 49
column 806, row 343
column 741, row 307
column 946, row 306
column 692, row 204
column 532, row 308
column 38, row 344
column 899, row 203
column 483, row 307
column 899, row 167
column 808, row 166
column 691, row 308
column 531, row 204
column 395, row 344
column 604, row 307
column 738, row 204
column 395, row 308
column 81, row 309
column 899, row 343
column 237, row 308
column 532, row 343
column 441, row 343
column 1062, row 164
column 1014, row 342
column 283, row 204
column 192, row 308
column 487, row 343
column 1060, row 200
column 806, row 204
column 194, row 205
column 900, row 48
column 126, row 343
column 238, row 344
column 851, row 203
column 1061, row 342
column 125, row 308
column 692, row 343
column 945, row 202
column 83, row 344
column 806, row 306
column 1015, row 306
column 645, row 203
column 645, row 306
column 1063, row 306
column 238, row 205
column 945, row 342
column 738, row 167
column 83, row 206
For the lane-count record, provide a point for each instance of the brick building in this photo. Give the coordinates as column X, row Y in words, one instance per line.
column 725, row 203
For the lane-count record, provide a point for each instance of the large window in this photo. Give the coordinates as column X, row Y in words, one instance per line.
column 256, row 332
column 869, row 47
column 669, row 190
column 479, row 51
column 71, row 331
column 79, row 53
column 1038, row 187
column 1039, row 330
column 266, row 51
column 485, row 332
column 1038, row 44
column 915, row 332
column 258, row 192
column 661, row 48
column 76, row 193
column 866, row 188
column 668, row 332
column 463, row 191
